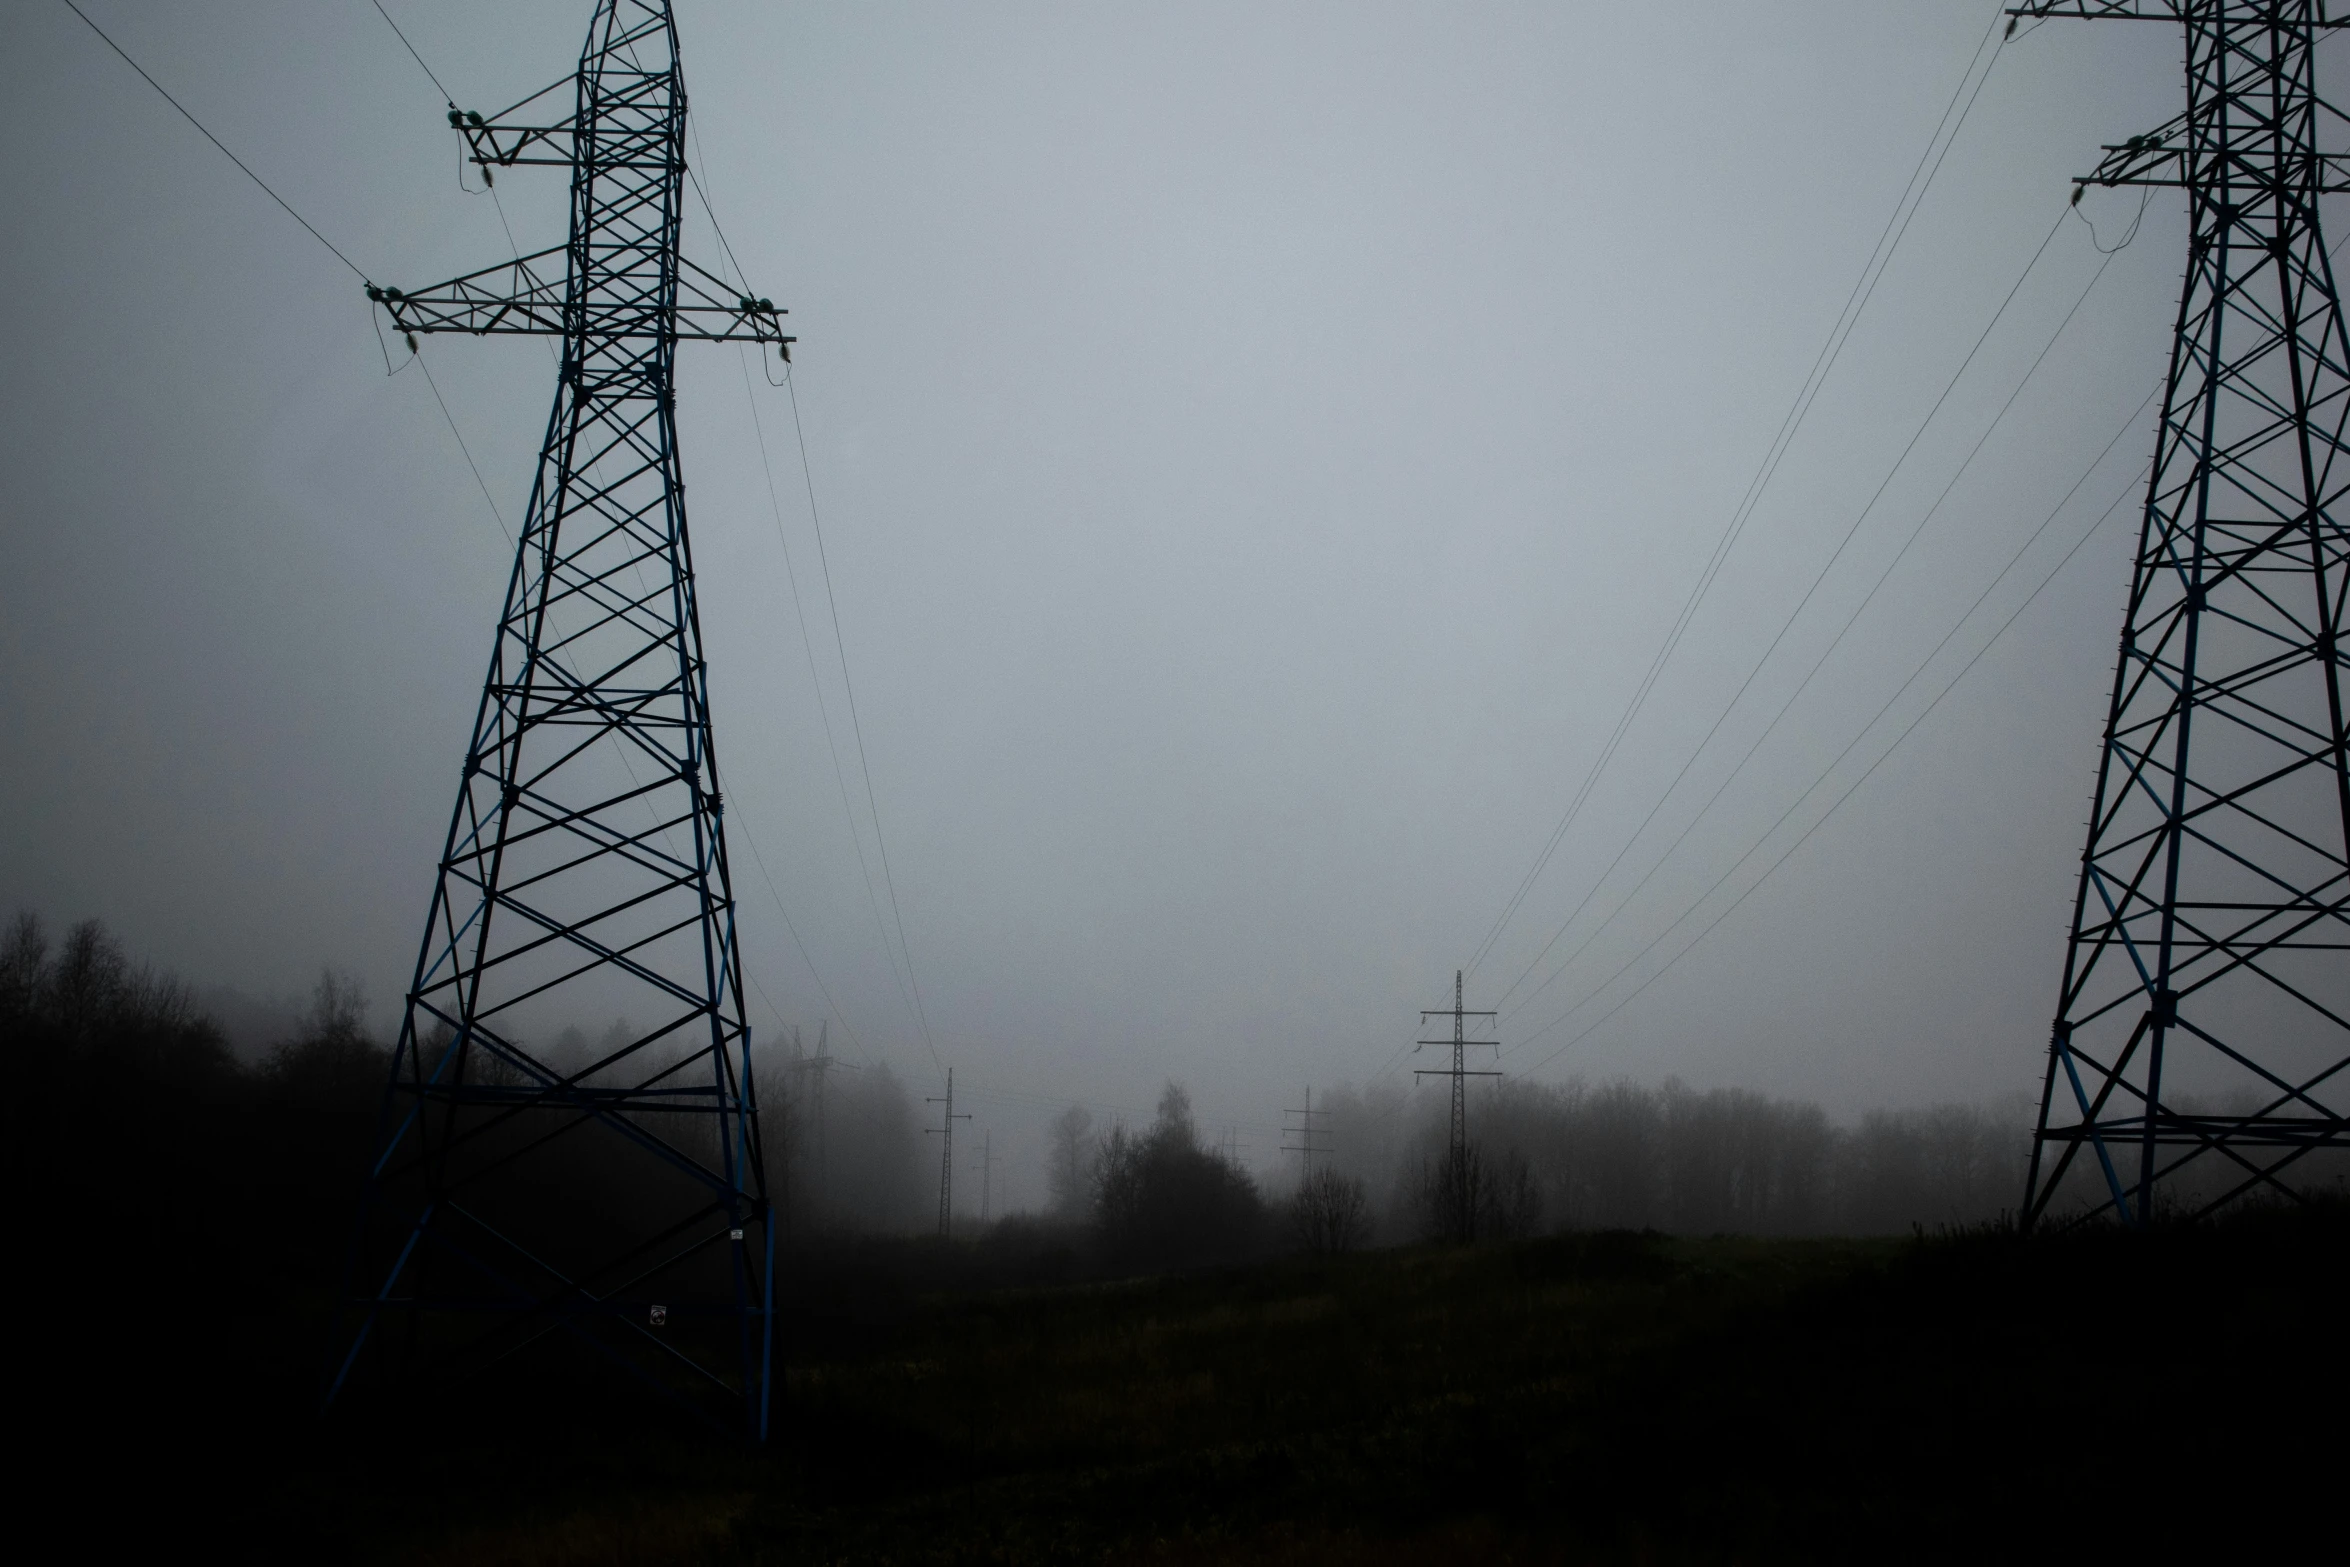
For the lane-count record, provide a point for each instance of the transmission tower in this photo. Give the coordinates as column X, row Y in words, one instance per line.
column 817, row 1070
column 2203, row 1027
column 1311, row 1139
column 945, row 1132
column 1457, row 1186
column 617, row 1200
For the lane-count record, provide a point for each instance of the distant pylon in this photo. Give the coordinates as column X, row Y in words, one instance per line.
column 1457, row 1187
column 945, row 1133
column 817, row 1070
column 1310, row 1139
column 2202, row 1029
column 616, row 1199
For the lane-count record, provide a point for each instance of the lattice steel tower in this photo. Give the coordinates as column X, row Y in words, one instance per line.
column 2203, row 1028
column 1457, row 1178
column 524, row 1198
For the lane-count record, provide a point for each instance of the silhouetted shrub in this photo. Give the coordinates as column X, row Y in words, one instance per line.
column 1163, row 1201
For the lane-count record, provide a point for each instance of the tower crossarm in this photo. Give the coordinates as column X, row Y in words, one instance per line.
column 2166, row 156
column 2131, row 11
column 526, row 133
column 531, row 296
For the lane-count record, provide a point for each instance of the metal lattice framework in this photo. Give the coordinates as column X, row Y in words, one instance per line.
column 2203, row 1030
column 528, row 1196
column 1457, row 1181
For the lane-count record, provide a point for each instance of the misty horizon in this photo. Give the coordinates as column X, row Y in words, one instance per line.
column 1258, row 455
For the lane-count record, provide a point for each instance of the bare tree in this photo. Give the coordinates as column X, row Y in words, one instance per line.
column 86, row 980
column 331, row 1060
column 24, row 958
column 1331, row 1213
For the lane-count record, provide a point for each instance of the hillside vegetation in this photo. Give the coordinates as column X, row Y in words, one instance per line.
column 1592, row 1396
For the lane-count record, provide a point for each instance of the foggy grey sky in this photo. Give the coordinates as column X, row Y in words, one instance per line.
column 1259, row 449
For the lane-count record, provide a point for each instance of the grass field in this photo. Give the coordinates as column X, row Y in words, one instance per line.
column 1604, row 1398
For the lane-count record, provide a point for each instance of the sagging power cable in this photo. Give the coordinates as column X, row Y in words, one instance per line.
column 1850, row 620
column 307, row 225
column 2135, row 414
column 856, row 726
column 905, row 951
column 446, row 96
column 816, row 679
column 1850, row 790
column 1829, row 771
column 1905, row 208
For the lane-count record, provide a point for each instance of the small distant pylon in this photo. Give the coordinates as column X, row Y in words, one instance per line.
column 945, row 1132
column 1310, row 1139
column 1456, row 1187
column 817, row 1070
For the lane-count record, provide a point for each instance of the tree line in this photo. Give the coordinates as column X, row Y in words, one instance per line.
column 1626, row 1155
column 108, row 1054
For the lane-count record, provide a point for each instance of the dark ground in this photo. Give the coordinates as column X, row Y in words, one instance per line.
column 1604, row 1398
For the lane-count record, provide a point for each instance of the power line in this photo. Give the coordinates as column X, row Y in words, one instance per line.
column 856, row 725
column 822, row 989
column 1847, row 751
column 1863, row 290
column 1796, row 613
column 742, row 278
column 446, row 96
column 890, row 957
column 840, row 646
column 462, row 447
column 816, row 679
column 1817, row 664
column 217, row 142
column 2013, row 559
column 1855, row 785
column 489, row 186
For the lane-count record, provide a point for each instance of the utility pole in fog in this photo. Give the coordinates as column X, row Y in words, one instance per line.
column 945, row 1132
column 818, row 1068
column 1306, row 1132
column 1456, row 1156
